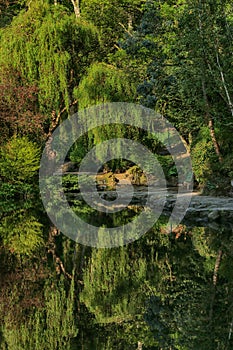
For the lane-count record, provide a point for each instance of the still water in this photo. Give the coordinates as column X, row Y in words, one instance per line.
column 162, row 291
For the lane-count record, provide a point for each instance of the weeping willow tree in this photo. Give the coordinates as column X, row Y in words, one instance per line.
column 50, row 48
column 103, row 83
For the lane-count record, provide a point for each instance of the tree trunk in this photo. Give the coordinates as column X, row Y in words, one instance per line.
column 130, row 23
column 211, row 123
column 139, row 346
column 214, row 140
column 76, row 7
column 207, row 107
column 215, row 277
column 53, row 232
column 216, row 267
column 229, row 102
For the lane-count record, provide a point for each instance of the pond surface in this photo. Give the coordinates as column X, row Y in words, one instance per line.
column 163, row 291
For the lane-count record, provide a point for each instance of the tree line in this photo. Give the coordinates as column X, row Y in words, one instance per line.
column 57, row 57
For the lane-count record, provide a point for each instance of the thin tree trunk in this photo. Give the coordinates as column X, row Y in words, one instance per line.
column 211, row 123
column 207, row 107
column 214, row 140
column 230, row 331
column 53, row 232
column 216, row 267
column 130, row 23
column 139, row 346
column 55, row 120
column 215, row 277
column 230, row 104
column 76, row 7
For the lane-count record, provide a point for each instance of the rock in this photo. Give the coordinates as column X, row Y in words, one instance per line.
column 68, row 166
column 214, row 215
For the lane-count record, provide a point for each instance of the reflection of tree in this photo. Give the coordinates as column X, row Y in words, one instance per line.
column 171, row 280
column 113, row 284
column 193, row 309
column 114, row 291
column 51, row 327
column 21, row 233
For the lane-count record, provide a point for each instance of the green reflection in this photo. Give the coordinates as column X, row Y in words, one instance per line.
column 51, row 327
column 21, row 233
column 163, row 291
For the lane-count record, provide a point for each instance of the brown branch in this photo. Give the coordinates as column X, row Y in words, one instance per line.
column 127, row 31
column 53, row 232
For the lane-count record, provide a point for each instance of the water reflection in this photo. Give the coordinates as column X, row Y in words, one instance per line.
column 163, row 291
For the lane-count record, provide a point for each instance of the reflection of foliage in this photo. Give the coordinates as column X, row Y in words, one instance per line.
column 156, row 319
column 202, row 242
column 70, row 183
column 169, row 277
column 21, row 233
column 108, row 282
column 49, row 328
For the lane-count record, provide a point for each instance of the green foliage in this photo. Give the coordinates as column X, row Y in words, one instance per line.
column 21, row 190
column 49, row 47
column 19, row 160
column 202, row 154
column 107, row 287
column 49, row 328
column 70, row 183
column 168, row 166
column 78, row 150
column 113, row 18
column 104, row 83
column 21, row 233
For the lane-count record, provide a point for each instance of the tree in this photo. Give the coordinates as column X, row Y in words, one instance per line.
column 19, row 113
column 50, row 49
column 51, row 327
column 21, row 234
column 113, row 18
column 19, row 160
column 187, row 48
column 104, row 83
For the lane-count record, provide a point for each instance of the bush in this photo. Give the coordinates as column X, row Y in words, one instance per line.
column 203, row 156
column 21, row 233
column 19, row 161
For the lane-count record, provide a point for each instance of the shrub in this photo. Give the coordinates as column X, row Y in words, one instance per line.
column 19, row 160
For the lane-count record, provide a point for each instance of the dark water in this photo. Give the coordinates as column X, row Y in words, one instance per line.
column 163, row 291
